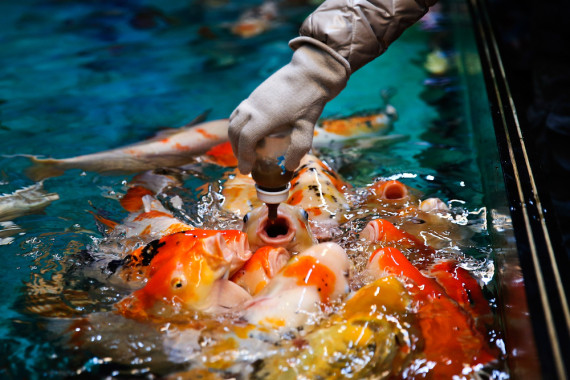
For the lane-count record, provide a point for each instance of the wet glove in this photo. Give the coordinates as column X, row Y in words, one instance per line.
column 295, row 96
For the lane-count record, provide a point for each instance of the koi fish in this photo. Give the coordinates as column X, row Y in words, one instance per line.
column 290, row 230
column 188, row 272
column 437, row 63
column 389, row 197
column 166, row 150
column 239, row 194
column 133, row 269
column 256, row 20
column 263, row 265
column 451, row 341
column 24, row 201
column 365, row 337
column 433, row 223
column 321, row 192
column 313, row 279
column 381, row 233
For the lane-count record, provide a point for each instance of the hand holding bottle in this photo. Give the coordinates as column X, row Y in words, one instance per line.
column 295, row 96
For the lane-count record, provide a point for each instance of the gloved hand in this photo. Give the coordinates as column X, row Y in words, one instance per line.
column 295, row 95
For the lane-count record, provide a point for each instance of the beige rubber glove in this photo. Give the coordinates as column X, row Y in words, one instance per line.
column 295, row 95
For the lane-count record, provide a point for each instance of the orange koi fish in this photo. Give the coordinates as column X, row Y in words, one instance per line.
column 451, row 341
column 134, row 267
column 388, row 197
column 382, row 233
column 290, row 230
column 263, row 265
column 378, row 123
column 321, row 192
column 256, row 20
column 166, row 150
column 188, row 272
column 315, row 278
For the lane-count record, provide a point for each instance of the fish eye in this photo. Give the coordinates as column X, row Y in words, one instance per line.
column 305, row 214
column 177, row 282
column 418, row 221
column 246, row 217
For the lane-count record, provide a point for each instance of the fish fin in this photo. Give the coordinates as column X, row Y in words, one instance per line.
column 107, row 222
column 200, row 118
column 43, row 168
column 164, row 133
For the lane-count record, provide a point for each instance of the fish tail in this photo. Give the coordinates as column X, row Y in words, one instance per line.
column 43, row 168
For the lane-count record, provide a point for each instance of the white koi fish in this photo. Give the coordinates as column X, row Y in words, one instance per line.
column 27, row 200
column 316, row 277
column 290, row 230
column 165, row 150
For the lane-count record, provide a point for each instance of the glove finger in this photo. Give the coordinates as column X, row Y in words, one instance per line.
column 249, row 136
column 238, row 119
column 301, row 142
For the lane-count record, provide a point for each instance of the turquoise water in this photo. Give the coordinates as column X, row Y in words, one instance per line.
column 80, row 77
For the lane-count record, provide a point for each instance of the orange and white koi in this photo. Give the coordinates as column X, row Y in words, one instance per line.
column 188, row 272
column 290, row 230
column 263, row 265
column 311, row 280
column 239, row 194
column 166, row 150
column 322, row 193
column 256, row 20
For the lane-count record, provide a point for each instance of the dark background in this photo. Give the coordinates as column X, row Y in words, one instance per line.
column 534, row 40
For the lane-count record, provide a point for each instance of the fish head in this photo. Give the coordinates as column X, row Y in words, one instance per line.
column 310, row 281
column 182, row 276
column 265, row 263
column 289, row 230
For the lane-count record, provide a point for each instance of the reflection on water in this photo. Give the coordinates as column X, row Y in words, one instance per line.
column 115, row 73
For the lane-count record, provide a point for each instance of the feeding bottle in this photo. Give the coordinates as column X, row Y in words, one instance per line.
column 269, row 173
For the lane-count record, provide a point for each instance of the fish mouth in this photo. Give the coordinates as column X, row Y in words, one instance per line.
column 277, row 233
column 395, row 191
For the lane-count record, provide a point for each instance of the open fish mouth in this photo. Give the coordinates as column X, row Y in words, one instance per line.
column 395, row 191
column 277, row 233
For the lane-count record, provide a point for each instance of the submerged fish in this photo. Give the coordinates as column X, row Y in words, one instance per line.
column 166, row 150
column 188, row 272
column 24, row 201
column 256, row 20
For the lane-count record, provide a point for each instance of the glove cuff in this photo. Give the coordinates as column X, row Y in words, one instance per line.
column 296, row 43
